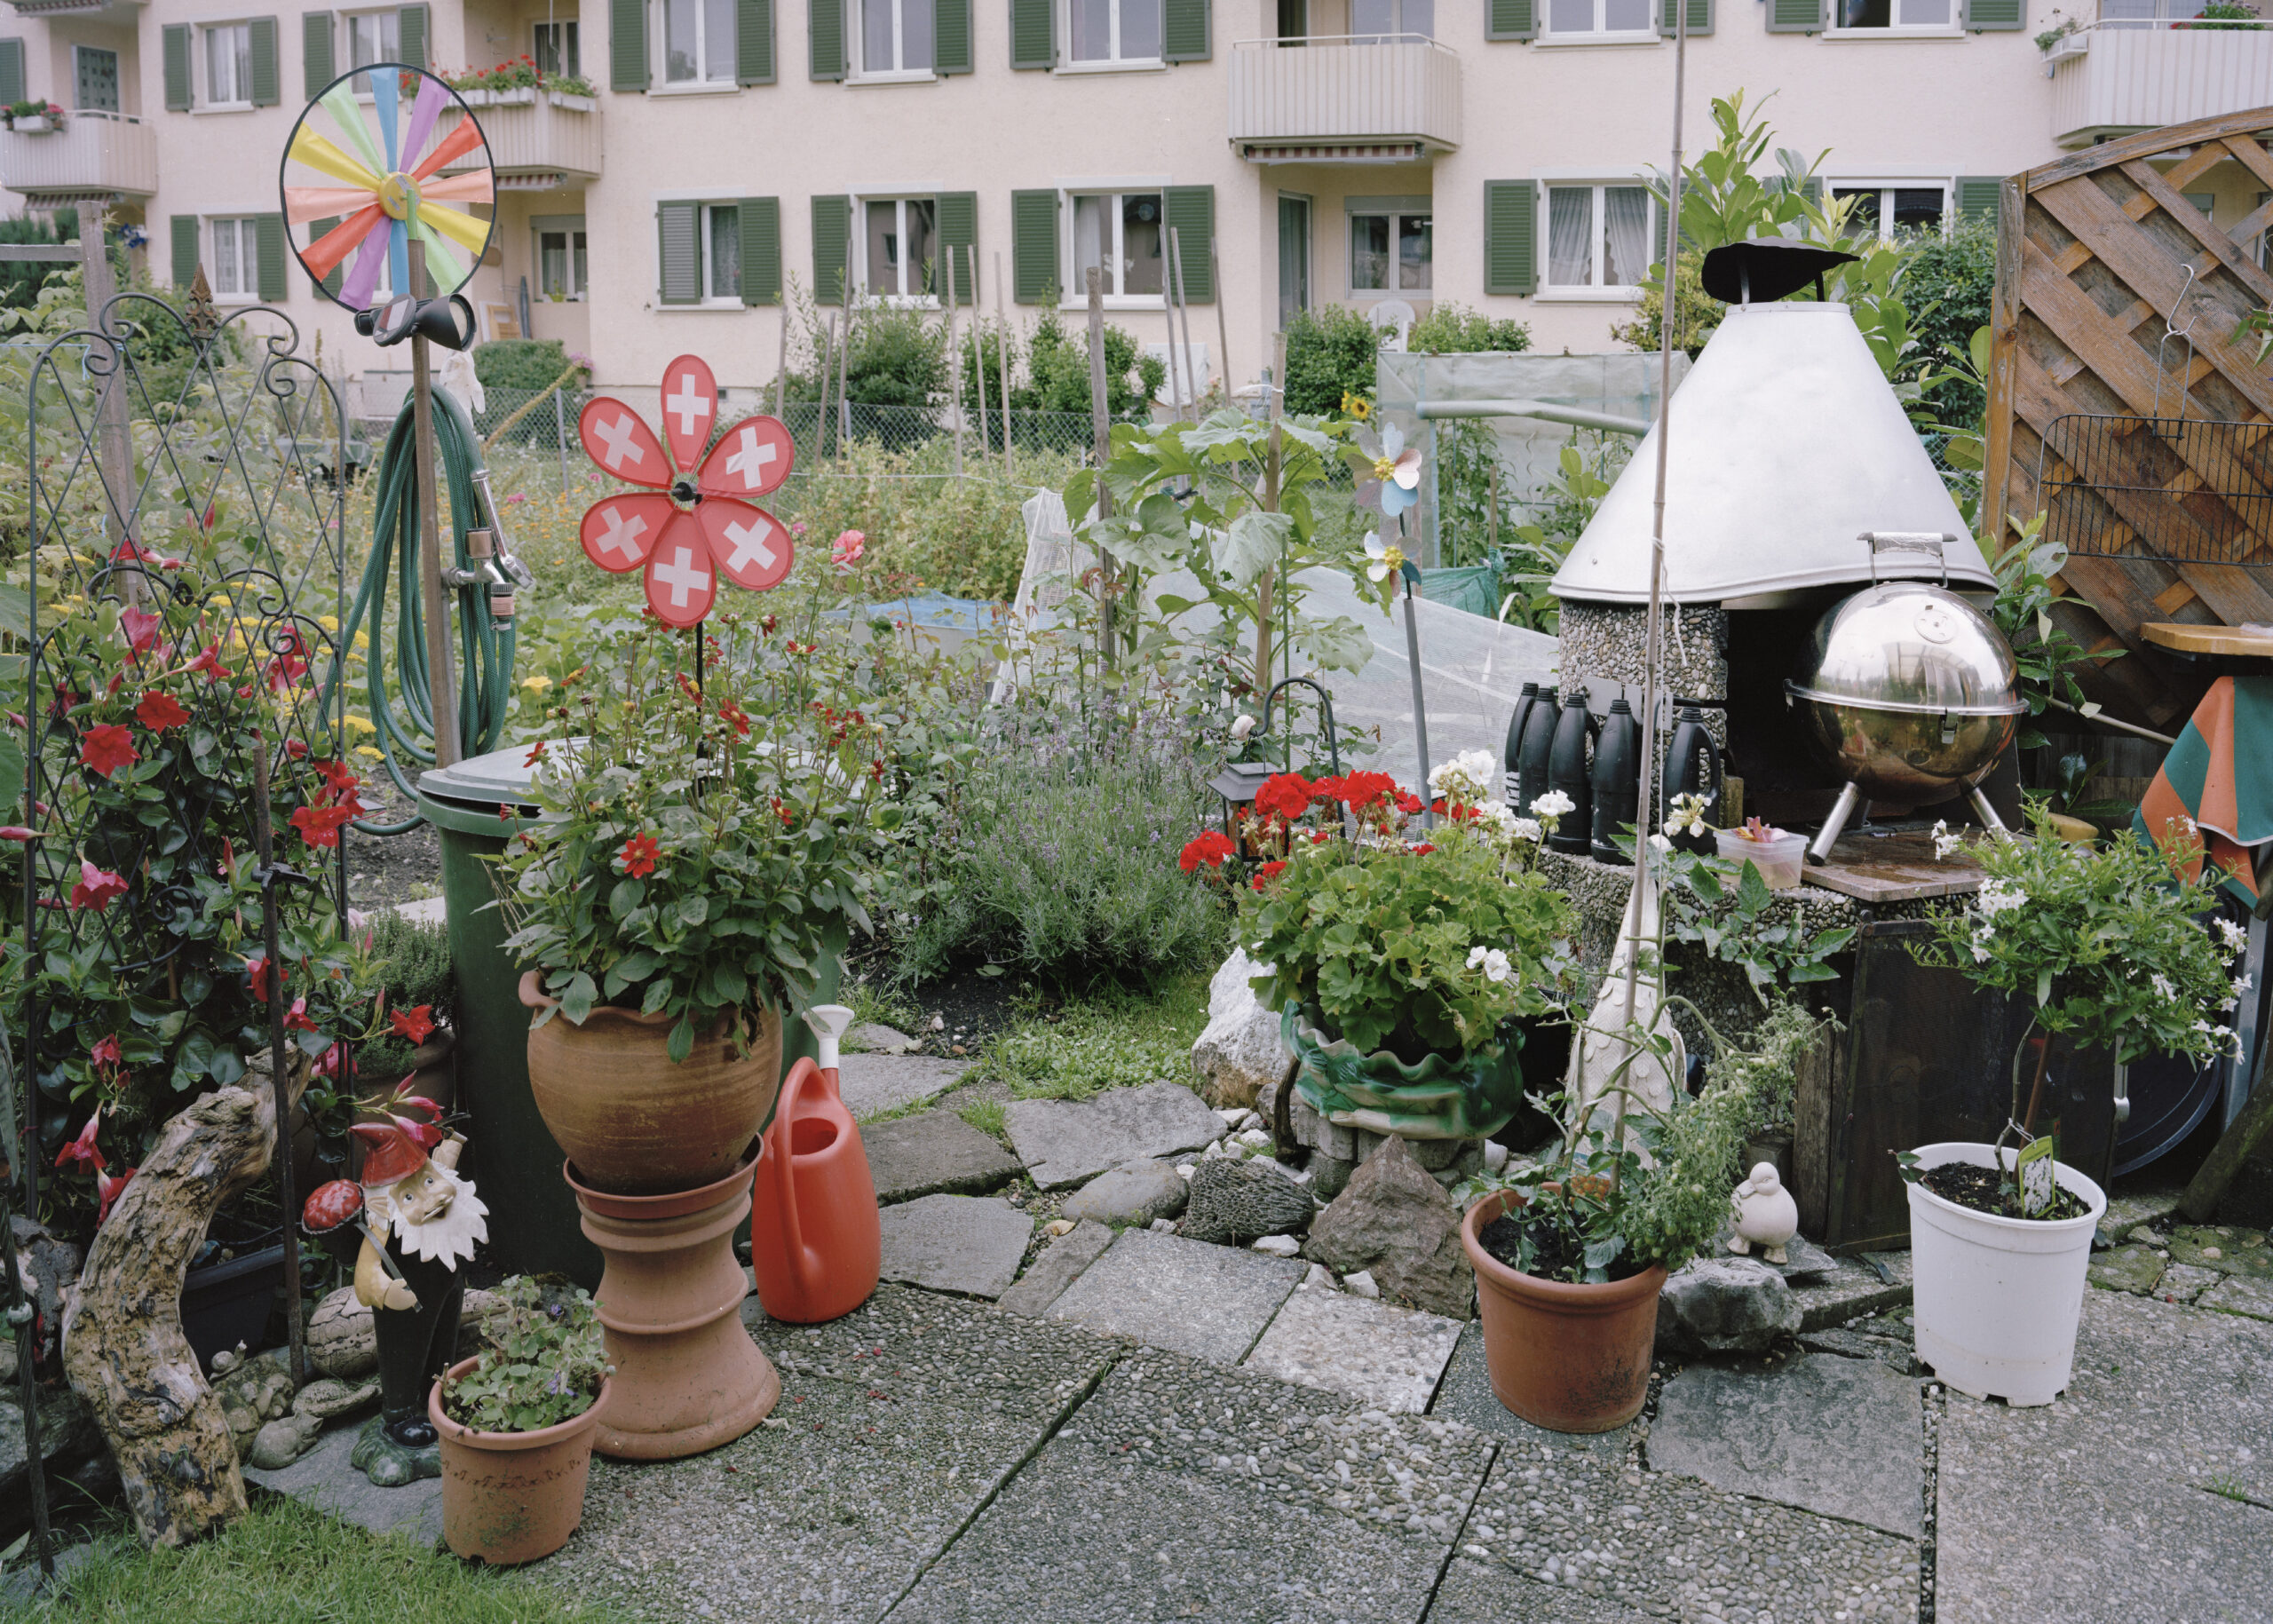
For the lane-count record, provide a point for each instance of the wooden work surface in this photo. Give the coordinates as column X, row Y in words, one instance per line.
column 1894, row 868
column 2187, row 639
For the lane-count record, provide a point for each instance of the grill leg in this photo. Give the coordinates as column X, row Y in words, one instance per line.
column 1988, row 813
column 1819, row 848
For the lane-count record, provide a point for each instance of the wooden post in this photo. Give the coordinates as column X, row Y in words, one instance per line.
column 441, row 665
column 1101, row 428
column 781, row 370
column 977, row 357
column 1167, row 316
column 1222, row 325
column 955, row 361
column 1182, row 313
column 827, row 366
column 845, row 351
column 1003, row 357
column 1265, row 585
column 271, row 886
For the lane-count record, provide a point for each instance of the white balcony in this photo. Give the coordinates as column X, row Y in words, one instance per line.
column 1344, row 99
column 538, row 139
column 2116, row 78
column 94, row 155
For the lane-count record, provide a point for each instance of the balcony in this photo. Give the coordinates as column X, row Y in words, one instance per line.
column 1347, row 98
column 2118, row 77
column 538, row 139
column 94, row 155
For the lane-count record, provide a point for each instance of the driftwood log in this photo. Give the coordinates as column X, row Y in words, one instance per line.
column 124, row 1349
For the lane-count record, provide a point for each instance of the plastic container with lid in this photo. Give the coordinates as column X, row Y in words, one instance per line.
column 1780, row 860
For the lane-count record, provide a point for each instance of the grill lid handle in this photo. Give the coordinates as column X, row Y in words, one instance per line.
column 1910, row 541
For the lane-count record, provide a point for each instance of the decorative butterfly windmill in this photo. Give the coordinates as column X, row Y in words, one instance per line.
column 694, row 522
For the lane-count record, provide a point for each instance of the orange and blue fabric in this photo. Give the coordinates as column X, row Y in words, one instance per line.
column 2218, row 778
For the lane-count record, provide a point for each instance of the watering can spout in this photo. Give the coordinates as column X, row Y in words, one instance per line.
column 830, row 1023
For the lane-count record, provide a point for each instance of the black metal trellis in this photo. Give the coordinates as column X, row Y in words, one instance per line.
column 2172, row 490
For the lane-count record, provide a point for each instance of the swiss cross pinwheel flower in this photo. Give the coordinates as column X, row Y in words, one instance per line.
column 690, row 524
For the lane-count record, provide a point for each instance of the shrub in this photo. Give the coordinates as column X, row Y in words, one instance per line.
column 1698, row 313
column 1452, row 328
column 520, row 363
column 1947, row 286
column 1330, row 353
column 412, row 960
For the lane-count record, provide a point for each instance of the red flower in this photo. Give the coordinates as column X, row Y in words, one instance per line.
column 296, row 748
column 97, row 888
column 256, row 974
column 1269, row 871
column 847, row 549
column 106, row 1051
column 295, row 1019
column 208, row 660
column 105, row 749
column 639, row 856
column 1321, row 837
column 535, row 754
column 17, row 832
column 1407, row 801
column 735, row 718
column 413, row 1025
column 81, row 1152
column 1287, row 794
column 320, row 826
column 1360, row 790
column 504, row 812
column 141, row 630
column 1210, row 848
column 110, row 1189
column 1424, row 849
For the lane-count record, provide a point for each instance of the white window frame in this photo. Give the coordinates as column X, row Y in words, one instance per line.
column 1396, row 218
column 1886, row 188
column 1955, row 28
column 245, row 231
column 705, row 202
column 707, row 219
column 1648, row 35
column 539, row 230
column 118, row 84
column 662, row 83
column 1116, row 63
column 895, row 300
column 1075, row 294
column 569, row 45
column 209, row 102
column 378, row 16
column 1597, row 293
column 856, row 16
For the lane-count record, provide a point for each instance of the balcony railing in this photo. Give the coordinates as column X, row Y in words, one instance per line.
column 2122, row 74
column 1344, row 97
column 539, row 138
column 94, row 155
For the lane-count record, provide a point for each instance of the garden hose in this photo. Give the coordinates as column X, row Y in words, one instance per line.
column 404, row 721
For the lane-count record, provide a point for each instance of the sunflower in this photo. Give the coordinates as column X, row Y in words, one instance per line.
column 1356, row 406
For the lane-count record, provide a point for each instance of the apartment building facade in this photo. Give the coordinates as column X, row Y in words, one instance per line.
column 1370, row 153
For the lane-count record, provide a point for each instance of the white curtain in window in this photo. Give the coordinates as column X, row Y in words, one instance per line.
column 1089, row 231
column 1626, row 235
column 1570, row 236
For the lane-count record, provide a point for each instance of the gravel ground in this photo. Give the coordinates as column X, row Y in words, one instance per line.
column 385, row 870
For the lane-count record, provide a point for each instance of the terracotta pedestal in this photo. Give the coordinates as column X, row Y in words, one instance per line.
column 687, row 1376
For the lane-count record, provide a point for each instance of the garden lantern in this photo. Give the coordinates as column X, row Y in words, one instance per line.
column 1237, row 785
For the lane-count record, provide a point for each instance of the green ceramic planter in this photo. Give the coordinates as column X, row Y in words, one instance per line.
column 1445, row 1097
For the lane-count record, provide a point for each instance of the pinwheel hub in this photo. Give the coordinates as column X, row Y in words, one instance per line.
column 397, row 196
column 684, row 492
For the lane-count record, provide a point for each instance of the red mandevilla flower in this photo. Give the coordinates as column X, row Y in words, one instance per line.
column 257, row 975
column 105, row 749
column 1210, row 848
column 320, row 826
column 96, row 888
column 414, row 1024
column 82, row 1151
column 639, row 856
column 141, row 630
column 295, row 1019
column 106, row 1051
column 110, row 1189
column 208, row 660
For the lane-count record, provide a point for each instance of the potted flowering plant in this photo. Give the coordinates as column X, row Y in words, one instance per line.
column 2105, row 948
column 516, row 1423
column 34, row 117
column 701, row 852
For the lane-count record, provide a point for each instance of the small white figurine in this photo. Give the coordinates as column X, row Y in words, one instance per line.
column 1766, row 1214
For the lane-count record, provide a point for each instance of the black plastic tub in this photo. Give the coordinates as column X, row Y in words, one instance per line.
column 225, row 1303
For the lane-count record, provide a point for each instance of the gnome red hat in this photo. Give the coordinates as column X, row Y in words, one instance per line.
column 392, row 1153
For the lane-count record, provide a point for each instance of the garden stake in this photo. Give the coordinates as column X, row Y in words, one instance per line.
column 1167, row 308
column 1409, row 574
column 1100, row 424
column 1002, row 358
column 828, row 365
column 1180, row 312
column 441, row 670
column 781, row 369
column 559, row 435
column 272, row 875
column 954, row 360
column 977, row 357
column 1270, row 505
column 1223, row 331
column 845, row 355
column 26, row 1137
column 22, row 1317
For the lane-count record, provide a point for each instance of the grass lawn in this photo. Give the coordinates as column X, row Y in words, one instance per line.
column 1113, row 1039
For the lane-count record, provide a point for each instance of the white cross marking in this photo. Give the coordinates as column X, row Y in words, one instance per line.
column 619, row 441
column 750, row 458
column 682, row 576
column 622, row 537
column 687, row 404
column 749, row 542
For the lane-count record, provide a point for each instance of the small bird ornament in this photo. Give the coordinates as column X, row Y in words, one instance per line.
column 1766, row 1214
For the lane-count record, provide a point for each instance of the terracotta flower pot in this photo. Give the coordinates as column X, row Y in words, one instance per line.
column 511, row 1497
column 632, row 1121
column 1571, row 1359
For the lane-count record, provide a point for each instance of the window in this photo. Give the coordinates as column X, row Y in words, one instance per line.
column 561, row 262
column 698, row 42
column 1391, row 252
column 96, row 73
column 1118, row 30
column 557, row 51
column 228, row 65
column 1886, row 211
column 2147, row 13
column 374, row 36
column 1381, row 21
column 1937, row 15
column 895, row 37
column 722, row 251
column 1618, row 16
column 1597, row 236
column 1121, row 233
column 899, row 248
column 236, row 261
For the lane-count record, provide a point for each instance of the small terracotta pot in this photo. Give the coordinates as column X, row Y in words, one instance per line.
column 632, row 1122
column 1570, row 1358
column 511, row 1497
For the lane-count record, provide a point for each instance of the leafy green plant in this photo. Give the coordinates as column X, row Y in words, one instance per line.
column 1729, row 911
column 1696, row 312
column 543, row 1362
column 1450, row 328
column 521, row 363
column 411, row 962
column 1768, row 1070
column 2044, row 656
column 1113, row 1039
column 1331, row 352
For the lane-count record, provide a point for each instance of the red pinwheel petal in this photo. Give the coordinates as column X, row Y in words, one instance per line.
column 620, row 444
column 681, row 584
column 751, row 546
column 690, row 409
column 619, row 531
column 750, row 459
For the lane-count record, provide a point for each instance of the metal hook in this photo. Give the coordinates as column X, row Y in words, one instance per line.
column 2184, row 335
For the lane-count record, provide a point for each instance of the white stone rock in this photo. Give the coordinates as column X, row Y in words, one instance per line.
column 1241, row 1049
column 1162, row 1226
column 1253, row 1119
column 1255, row 1137
column 1495, row 1156
column 1233, row 1115
column 1319, row 1276
column 1361, row 1284
column 1184, row 1170
column 1279, row 1246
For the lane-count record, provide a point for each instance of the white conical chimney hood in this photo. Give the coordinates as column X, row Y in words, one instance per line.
column 1787, row 445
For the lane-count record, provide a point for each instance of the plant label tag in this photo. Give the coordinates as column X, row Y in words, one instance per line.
column 2034, row 1167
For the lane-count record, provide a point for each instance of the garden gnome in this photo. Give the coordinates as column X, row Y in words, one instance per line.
column 424, row 1221
column 1766, row 1214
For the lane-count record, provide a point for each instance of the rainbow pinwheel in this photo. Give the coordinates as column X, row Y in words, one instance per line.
column 379, row 183
column 690, row 525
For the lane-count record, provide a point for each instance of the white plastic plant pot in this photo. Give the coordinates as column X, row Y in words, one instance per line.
column 1998, row 1298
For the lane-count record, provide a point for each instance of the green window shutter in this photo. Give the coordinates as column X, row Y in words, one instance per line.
column 1033, row 246
column 825, row 38
column 957, row 215
column 678, row 239
column 761, row 218
column 1977, row 196
column 1033, row 34
column 1510, row 19
column 2002, row 15
column 315, row 54
column 12, row 70
column 267, row 77
column 175, row 40
column 1700, row 17
column 1510, row 229
column 1191, row 212
column 318, row 231
column 627, row 45
column 268, row 238
column 1795, row 16
column 754, row 42
column 1185, row 35
column 832, row 229
column 184, row 245
column 950, row 51
column 412, row 31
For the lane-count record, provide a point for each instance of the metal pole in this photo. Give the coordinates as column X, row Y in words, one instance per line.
column 827, row 366
column 115, row 445
column 844, row 354
column 1409, row 577
column 955, row 362
column 441, row 669
column 1101, row 427
column 1003, row 357
column 272, row 880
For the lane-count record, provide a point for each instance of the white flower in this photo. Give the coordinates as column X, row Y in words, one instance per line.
column 1526, row 828
column 1466, row 779
column 1658, row 842
column 1945, row 842
column 1981, row 934
column 1241, row 727
column 1688, row 813
column 1554, row 804
column 1495, row 964
column 1997, row 896
column 2234, row 938
column 2163, row 988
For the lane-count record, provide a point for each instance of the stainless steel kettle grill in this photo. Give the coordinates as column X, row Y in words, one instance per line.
column 1907, row 692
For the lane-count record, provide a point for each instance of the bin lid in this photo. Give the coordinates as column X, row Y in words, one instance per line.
column 484, row 781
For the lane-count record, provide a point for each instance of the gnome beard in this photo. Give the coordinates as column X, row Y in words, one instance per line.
column 431, row 1213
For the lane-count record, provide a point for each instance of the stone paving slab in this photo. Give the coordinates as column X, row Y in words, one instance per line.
column 1209, row 1302
column 2239, row 1295
column 1842, row 1437
column 1852, row 1291
column 1383, row 1355
column 873, row 1084
column 968, row 1244
column 1465, row 1395
column 1064, row 1142
column 1060, row 1265
column 1475, row 1592
column 323, row 1479
column 935, row 1153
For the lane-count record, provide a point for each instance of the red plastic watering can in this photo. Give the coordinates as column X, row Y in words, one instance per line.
column 815, row 1244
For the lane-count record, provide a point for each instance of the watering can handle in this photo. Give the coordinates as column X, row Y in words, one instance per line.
column 778, row 1139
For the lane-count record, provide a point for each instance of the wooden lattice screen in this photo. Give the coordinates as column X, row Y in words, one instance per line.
column 2092, row 266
